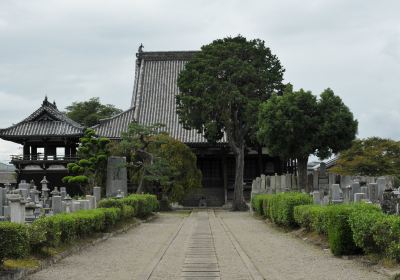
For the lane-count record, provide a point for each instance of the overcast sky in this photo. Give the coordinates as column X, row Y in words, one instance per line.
column 72, row 50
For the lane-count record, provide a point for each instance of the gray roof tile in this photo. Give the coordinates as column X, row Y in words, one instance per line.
column 45, row 121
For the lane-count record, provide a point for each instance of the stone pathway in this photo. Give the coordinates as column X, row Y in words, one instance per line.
column 205, row 245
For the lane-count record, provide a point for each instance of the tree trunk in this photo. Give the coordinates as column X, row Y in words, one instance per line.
column 302, row 168
column 238, row 199
column 140, row 187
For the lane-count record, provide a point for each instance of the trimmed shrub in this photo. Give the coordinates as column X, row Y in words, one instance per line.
column 110, row 203
column 280, row 207
column 257, row 203
column 344, row 224
column 51, row 229
column 143, row 204
column 364, row 223
column 340, row 235
column 14, row 240
column 111, row 216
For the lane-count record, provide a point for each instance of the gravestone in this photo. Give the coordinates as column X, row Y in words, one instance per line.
column 315, row 180
column 263, row 182
column 283, row 183
column 56, row 204
column 358, row 197
column 75, row 206
column 17, row 209
column 92, row 201
column 273, row 184
column 381, row 181
column 84, row 204
column 373, row 192
column 97, row 193
column 2, row 200
column 364, row 189
column 323, row 179
column 336, row 193
column 345, row 181
column 278, row 183
column 347, row 194
column 63, row 192
column 355, row 188
column 116, row 176
column 316, row 197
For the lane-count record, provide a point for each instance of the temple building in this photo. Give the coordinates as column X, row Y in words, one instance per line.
column 49, row 141
column 153, row 101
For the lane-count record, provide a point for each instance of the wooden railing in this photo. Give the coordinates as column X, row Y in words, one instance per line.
column 43, row 157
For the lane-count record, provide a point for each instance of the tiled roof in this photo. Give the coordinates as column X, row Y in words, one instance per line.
column 112, row 127
column 155, row 90
column 45, row 121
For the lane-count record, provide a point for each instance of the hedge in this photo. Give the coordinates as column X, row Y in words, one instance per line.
column 279, row 207
column 376, row 232
column 17, row 240
column 143, row 204
column 257, row 203
column 14, row 240
column 334, row 221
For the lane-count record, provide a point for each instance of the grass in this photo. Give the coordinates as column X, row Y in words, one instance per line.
column 29, row 263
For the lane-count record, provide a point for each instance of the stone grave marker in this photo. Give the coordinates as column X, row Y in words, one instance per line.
column 116, row 176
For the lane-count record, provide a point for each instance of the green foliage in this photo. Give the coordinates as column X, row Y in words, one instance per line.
column 340, row 235
column 370, row 157
column 14, row 241
column 88, row 113
column 156, row 160
column 143, row 204
column 364, row 224
column 296, row 125
column 283, row 121
column 345, row 225
column 90, row 170
column 257, row 203
column 220, row 91
column 183, row 174
column 279, row 208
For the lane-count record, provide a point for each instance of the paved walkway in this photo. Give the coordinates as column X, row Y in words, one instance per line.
column 205, row 245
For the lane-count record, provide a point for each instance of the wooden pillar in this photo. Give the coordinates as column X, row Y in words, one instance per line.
column 34, row 152
column 26, row 151
column 73, row 150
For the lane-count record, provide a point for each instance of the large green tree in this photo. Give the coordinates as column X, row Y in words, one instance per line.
column 220, row 91
column 88, row 113
column 370, row 157
column 298, row 124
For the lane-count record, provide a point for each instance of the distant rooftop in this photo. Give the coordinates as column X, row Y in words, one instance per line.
column 45, row 121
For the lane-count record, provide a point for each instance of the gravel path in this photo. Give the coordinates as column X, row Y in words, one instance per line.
column 279, row 255
column 229, row 246
column 125, row 256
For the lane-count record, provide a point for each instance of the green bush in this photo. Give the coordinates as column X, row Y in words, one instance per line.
column 127, row 212
column 50, row 227
column 143, row 204
column 364, row 223
column 280, row 207
column 110, row 203
column 14, row 240
column 340, row 235
column 343, row 224
column 111, row 216
column 386, row 235
column 257, row 203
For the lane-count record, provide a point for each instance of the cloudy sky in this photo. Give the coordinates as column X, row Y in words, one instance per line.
column 72, row 50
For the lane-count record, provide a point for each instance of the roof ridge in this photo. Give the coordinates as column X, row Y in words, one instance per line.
column 102, row 121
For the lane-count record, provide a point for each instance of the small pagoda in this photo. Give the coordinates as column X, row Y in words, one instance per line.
column 49, row 139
